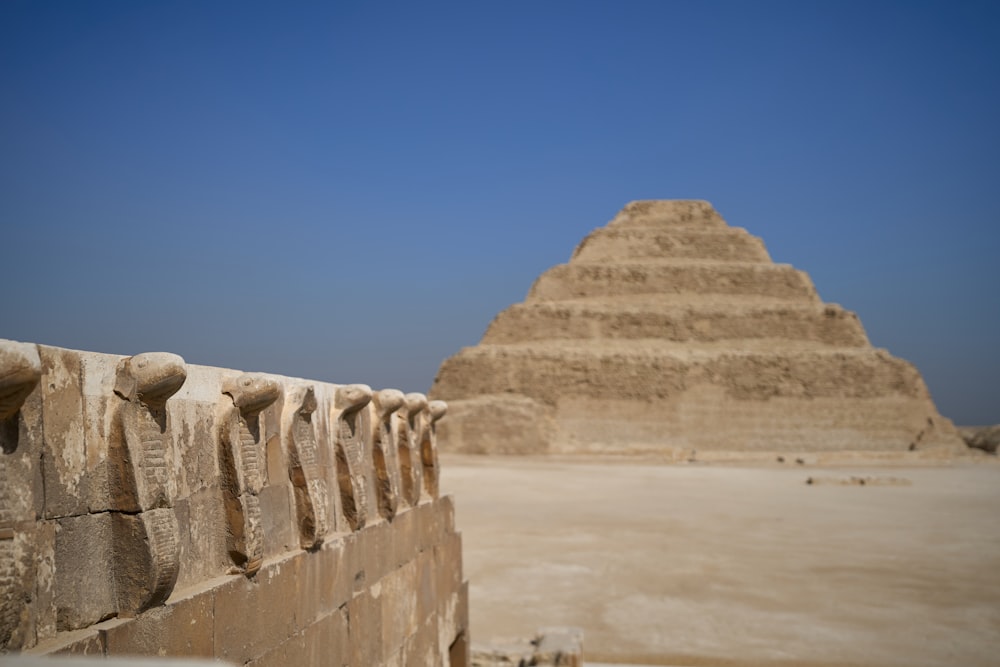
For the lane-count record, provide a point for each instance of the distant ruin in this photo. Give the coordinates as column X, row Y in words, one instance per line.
column 670, row 332
column 154, row 507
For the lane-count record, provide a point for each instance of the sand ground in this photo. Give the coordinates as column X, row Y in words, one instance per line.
column 736, row 565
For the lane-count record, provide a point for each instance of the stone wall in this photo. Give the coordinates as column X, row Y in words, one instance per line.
column 148, row 506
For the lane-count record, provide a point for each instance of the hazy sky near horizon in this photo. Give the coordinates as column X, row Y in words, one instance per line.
column 351, row 191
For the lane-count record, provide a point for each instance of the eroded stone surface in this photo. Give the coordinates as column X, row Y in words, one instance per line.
column 241, row 465
column 385, row 451
column 411, row 427
column 353, row 439
column 311, row 499
column 435, row 411
column 20, row 371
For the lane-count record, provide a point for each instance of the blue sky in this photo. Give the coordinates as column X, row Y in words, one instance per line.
column 351, row 191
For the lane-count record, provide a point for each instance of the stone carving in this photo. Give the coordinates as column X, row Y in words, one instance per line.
column 435, row 410
column 352, row 441
column 410, row 431
column 20, row 370
column 670, row 331
column 241, row 465
column 143, row 490
column 303, row 469
column 385, row 451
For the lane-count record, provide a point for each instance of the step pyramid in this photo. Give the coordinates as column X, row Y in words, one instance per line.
column 671, row 332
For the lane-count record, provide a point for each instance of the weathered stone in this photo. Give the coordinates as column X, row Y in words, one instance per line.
column 353, row 438
column 175, row 480
column 411, row 425
column 669, row 331
column 385, row 451
column 240, row 459
column 20, row 371
column 310, row 488
column 435, row 410
column 64, row 457
column 142, row 457
column 185, row 627
column 84, row 584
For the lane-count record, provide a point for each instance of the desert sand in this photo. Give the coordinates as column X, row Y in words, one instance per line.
column 736, row 564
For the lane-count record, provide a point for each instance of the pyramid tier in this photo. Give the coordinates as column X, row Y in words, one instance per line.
column 669, row 214
column 658, row 318
column 583, row 280
column 655, row 369
column 658, row 398
column 731, row 244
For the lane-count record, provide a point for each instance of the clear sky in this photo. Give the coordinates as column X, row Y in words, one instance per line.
column 350, row 191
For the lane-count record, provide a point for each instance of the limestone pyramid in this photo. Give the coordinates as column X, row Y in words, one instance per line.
column 670, row 331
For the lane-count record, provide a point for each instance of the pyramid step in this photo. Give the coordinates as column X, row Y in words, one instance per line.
column 731, row 244
column 585, row 280
column 550, row 373
column 668, row 214
column 820, row 324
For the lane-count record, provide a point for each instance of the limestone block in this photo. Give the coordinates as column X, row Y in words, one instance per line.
column 204, row 539
column 20, row 442
column 364, row 613
column 278, row 522
column 398, row 605
column 311, row 501
column 44, row 609
column 240, row 458
column 254, row 615
column 411, row 427
column 185, row 627
column 84, row 583
column 64, row 463
column 385, row 451
column 353, row 440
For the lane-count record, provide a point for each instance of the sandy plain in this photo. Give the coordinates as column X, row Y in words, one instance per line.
column 735, row 565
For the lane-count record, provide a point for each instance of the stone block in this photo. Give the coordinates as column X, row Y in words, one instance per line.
column 421, row 648
column 425, row 585
column 278, row 520
column 45, row 569
column 448, row 560
column 202, row 537
column 88, row 641
column 242, row 631
column 403, row 542
column 102, row 430
column 331, row 570
column 398, row 605
column 184, row 627
column 84, row 570
column 64, row 441
column 364, row 614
